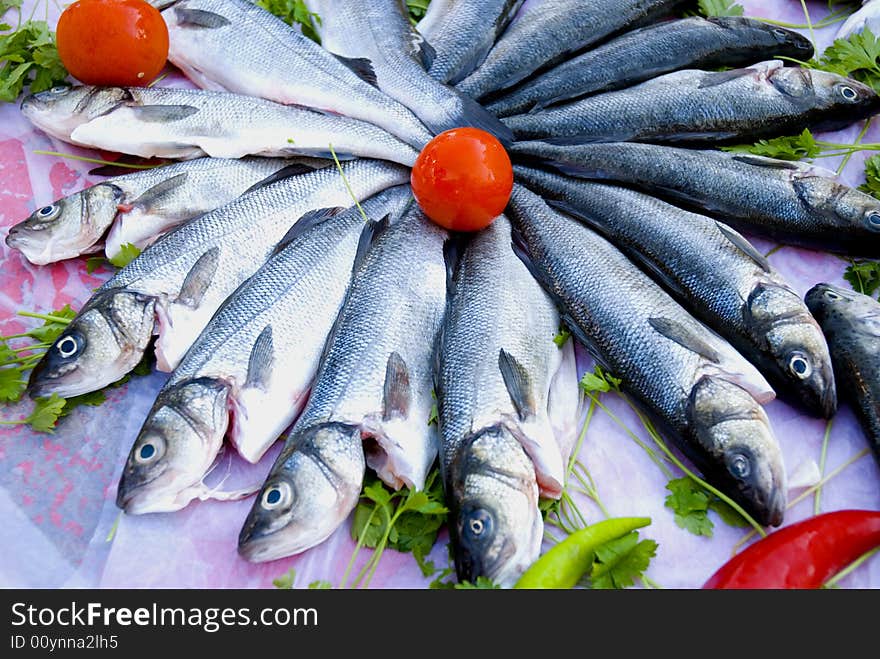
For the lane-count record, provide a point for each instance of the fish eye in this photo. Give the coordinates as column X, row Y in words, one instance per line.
column 848, row 93
column 831, row 295
column 873, row 219
column 68, row 346
column 48, row 212
column 150, row 450
column 59, row 89
column 799, row 366
column 478, row 525
column 782, row 34
column 275, row 496
column 739, row 465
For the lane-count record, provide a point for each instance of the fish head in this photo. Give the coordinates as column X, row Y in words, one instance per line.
column 829, row 303
column 67, row 228
column 313, row 486
column 495, row 522
column 101, row 344
column 777, row 315
column 786, row 42
column 838, row 204
column 175, row 447
column 60, row 110
column 843, row 100
column 740, row 451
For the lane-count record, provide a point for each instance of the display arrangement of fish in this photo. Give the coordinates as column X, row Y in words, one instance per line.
column 295, row 291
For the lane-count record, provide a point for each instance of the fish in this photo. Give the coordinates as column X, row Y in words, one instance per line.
column 851, row 322
column 543, row 33
column 461, row 32
column 378, row 40
column 191, row 123
column 765, row 100
column 793, row 203
column 867, row 16
column 255, row 361
column 495, row 375
column 371, row 399
column 714, row 272
column 642, row 54
column 137, row 207
column 703, row 394
column 174, row 286
column 237, row 46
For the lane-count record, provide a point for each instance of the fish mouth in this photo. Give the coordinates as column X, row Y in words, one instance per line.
column 42, row 383
column 256, row 546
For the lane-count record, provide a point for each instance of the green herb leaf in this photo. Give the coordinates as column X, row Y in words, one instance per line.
column 482, row 583
column 690, row 505
column 795, row 147
column 417, row 8
column 93, row 263
column 599, row 380
column 561, row 337
column 294, row 12
column 46, row 413
column 28, row 58
column 320, row 585
column 719, row 8
column 872, row 176
column 727, row 513
column 620, row 562
column 52, row 327
column 286, row 580
column 93, row 399
column 864, row 276
column 855, row 57
column 434, row 416
column 12, row 384
column 127, row 254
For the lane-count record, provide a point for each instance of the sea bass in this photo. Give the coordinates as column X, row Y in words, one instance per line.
column 703, row 393
column 851, row 322
column 190, row 123
column 374, row 383
column 237, row 46
column 716, row 274
column 379, row 40
column 177, row 284
column 255, row 360
column 765, row 100
column 138, row 207
column 792, row 202
column 543, row 32
column 687, row 43
column 496, row 374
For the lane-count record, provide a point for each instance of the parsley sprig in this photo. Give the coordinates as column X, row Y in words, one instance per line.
column 28, row 56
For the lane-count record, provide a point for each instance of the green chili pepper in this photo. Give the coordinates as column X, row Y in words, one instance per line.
column 565, row 563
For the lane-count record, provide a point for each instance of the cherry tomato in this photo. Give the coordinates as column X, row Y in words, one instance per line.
column 112, row 42
column 462, row 179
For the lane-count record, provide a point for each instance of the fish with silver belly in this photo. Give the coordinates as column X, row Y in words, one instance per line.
column 686, row 43
column 716, row 274
column 174, row 286
column 792, row 202
column 248, row 374
column 138, row 207
column 497, row 372
column 851, row 322
column 700, row 390
column 190, row 123
column 237, row 46
column 378, row 39
column 462, row 32
column 542, row 33
column 692, row 106
column 371, row 399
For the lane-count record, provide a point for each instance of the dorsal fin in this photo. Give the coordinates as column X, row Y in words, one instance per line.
column 304, row 224
column 162, row 113
column 362, row 68
column 199, row 18
column 683, row 336
column 760, row 161
column 293, row 169
column 516, row 379
column 261, row 359
column 720, row 77
column 744, row 246
column 151, row 200
column 397, row 395
column 199, row 278
column 368, row 236
column 426, row 53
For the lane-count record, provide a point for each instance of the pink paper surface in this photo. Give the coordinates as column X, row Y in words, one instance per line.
column 57, row 491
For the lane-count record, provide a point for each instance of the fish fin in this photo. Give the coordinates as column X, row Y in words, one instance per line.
column 294, row 169
column 683, row 336
column 162, row 113
column 574, row 140
column 306, row 222
column 361, row 67
column 368, row 236
column 199, row 278
column 151, row 199
column 397, row 392
column 519, row 385
column 262, row 357
column 760, row 161
column 199, row 18
column 474, row 114
column 744, row 246
column 327, row 155
column 426, row 53
column 453, row 248
column 716, row 78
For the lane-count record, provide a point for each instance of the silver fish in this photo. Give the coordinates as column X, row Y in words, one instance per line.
column 138, row 207
column 495, row 377
column 704, row 394
column 179, row 282
column 767, row 99
column 543, row 32
column 237, row 46
column 716, row 274
column 379, row 40
column 791, row 202
column 636, row 56
column 461, row 32
column 851, row 322
column 256, row 359
column 189, row 123
column 374, row 382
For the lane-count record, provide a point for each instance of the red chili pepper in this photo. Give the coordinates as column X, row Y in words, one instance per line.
column 804, row 554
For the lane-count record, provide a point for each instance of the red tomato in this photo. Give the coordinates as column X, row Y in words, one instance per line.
column 112, row 42
column 462, row 179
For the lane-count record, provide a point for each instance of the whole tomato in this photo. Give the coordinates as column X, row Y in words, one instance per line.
column 112, row 42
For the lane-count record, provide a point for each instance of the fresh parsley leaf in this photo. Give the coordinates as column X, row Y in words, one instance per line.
column 864, row 276
column 53, row 326
column 417, row 8
column 46, row 413
column 294, row 12
column 12, row 384
column 28, row 58
column 286, row 580
column 690, row 504
column 320, row 585
column 872, row 176
column 127, row 254
column 599, row 380
column 93, row 263
column 440, row 583
column 620, row 562
column 93, row 399
column 727, row 513
column 434, row 416
column 427, row 567
column 482, row 583
column 719, row 8
column 561, row 337
column 855, row 57
column 795, row 147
